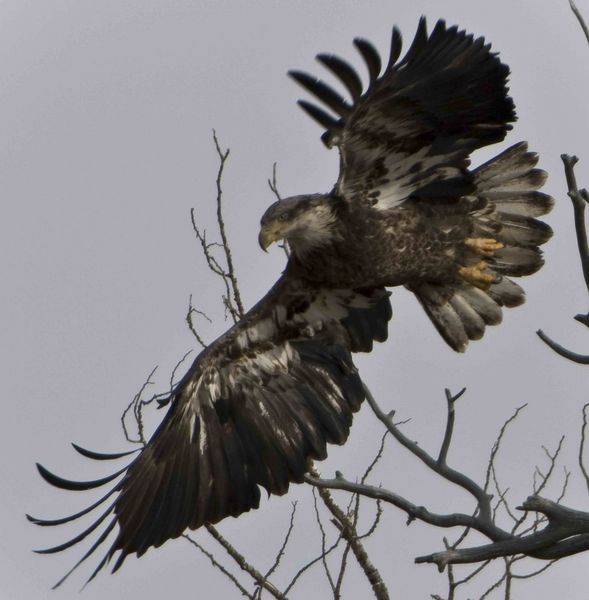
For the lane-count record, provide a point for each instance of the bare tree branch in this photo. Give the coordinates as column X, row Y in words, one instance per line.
column 579, row 199
column 135, row 405
column 232, row 297
column 460, row 479
column 280, row 553
column 349, row 534
column 219, row 566
column 582, row 446
column 566, row 530
column 497, row 444
column 496, row 585
column 450, row 399
column 190, row 321
column 273, row 183
column 244, row 565
column 223, row 156
column 311, row 563
column 580, row 19
column 551, row 542
column 323, row 544
column 582, row 359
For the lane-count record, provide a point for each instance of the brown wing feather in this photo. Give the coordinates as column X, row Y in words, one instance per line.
column 252, row 410
column 413, row 128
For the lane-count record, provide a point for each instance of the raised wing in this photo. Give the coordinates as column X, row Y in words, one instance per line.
column 411, row 131
column 254, row 408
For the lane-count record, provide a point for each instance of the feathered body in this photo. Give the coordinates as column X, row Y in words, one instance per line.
column 268, row 396
column 428, row 244
column 407, row 209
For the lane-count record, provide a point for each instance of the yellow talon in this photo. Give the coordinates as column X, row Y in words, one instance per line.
column 484, row 246
column 478, row 275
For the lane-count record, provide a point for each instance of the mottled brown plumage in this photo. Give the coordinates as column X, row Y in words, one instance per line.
column 269, row 395
column 406, row 209
column 455, row 253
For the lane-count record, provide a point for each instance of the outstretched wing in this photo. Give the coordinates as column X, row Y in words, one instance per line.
column 411, row 131
column 253, row 409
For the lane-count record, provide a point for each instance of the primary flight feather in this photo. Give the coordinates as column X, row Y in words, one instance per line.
column 266, row 397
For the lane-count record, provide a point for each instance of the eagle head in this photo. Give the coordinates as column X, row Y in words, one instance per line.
column 303, row 221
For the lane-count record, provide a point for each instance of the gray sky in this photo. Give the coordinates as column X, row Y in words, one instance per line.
column 106, row 111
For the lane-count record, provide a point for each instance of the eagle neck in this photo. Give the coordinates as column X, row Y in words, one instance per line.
column 318, row 229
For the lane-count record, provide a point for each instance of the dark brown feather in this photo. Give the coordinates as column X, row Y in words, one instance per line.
column 252, row 410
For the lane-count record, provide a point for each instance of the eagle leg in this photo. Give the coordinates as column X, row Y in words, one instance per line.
column 478, row 275
column 484, row 246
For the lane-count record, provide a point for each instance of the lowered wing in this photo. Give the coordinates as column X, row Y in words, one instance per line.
column 411, row 131
column 253, row 409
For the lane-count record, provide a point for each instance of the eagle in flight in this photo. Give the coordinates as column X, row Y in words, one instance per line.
column 266, row 397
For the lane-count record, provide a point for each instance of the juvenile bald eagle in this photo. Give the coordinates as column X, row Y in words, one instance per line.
column 267, row 396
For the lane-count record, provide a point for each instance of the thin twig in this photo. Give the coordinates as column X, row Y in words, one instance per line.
column 372, row 574
column 579, row 199
column 375, row 522
column 135, row 402
column 323, row 543
column 221, row 568
column 176, row 367
column 244, row 565
column 342, row 571
column 450, row 400
column 494, row 586
column 472, row 574
column 552, row 458
column 312, row 562
column 272, row 183
column 190, row 322
column 565, row 484
column 582, row 446
column 223, row 156
column 580, row 19
column 214, row 265
column 497, row 444
column 376, row 458
column 280, row 553
column 582, row 359
column 534, row 573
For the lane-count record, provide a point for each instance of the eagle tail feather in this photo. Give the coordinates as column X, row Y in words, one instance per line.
column 459, row 311
column 507, row 187
column 507, row 204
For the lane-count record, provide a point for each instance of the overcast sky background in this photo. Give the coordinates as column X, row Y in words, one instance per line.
column 106, row 112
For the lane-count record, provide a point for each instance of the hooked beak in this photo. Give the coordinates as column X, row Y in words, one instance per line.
column 267, row 237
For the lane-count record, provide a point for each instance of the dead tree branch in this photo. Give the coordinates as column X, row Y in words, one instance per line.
column 349, row 533
column 580, row 18
column 223, row 156
column 273, row 183
column 566, row 530
column 232, row 296
column 582, row 447
column 579, row 199
column 190, row 321
column 219, row 566
column 260, row 580
column 282, row 549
